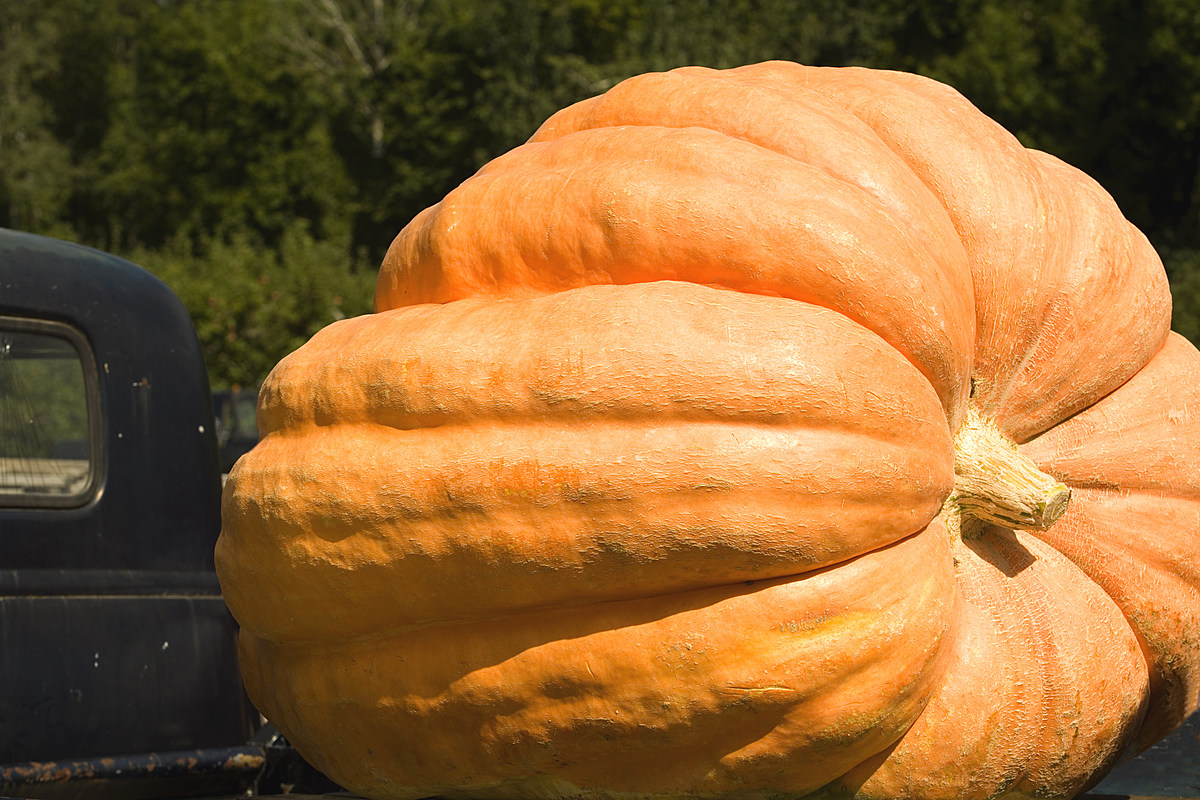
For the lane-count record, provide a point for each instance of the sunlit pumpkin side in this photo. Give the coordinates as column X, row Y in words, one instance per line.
column 767, row 432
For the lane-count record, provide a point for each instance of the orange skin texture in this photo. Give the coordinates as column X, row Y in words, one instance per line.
column 734, row 215
column 1131, row 459
column 743, row 457
column 789, row 683
column 636, row 483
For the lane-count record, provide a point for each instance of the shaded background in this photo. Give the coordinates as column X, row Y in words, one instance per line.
column 260, row 155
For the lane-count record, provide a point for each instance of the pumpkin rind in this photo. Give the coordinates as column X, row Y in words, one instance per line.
column 752, row 437
column 641, row 480
column 1046, row 246
column 1134, row 524
column 789, row 683
column 1012, row 714
column 648, row 203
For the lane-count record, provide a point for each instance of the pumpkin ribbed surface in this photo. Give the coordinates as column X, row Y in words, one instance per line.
column 718, row 442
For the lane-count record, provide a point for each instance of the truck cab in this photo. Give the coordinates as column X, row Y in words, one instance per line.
column 118, row 659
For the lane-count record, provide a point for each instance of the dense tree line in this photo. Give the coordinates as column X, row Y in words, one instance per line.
column 261, row 154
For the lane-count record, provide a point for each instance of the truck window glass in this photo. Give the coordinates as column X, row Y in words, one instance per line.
column 47, row 456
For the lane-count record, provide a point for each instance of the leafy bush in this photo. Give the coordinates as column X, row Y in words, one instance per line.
column 1183, row 268
column 254, row 304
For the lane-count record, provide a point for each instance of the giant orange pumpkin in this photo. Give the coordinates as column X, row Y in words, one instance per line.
column 746, row 433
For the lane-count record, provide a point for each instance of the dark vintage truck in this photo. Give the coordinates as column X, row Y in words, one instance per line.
column 118, row 665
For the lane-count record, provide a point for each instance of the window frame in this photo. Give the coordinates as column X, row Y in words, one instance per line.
column 94, row 409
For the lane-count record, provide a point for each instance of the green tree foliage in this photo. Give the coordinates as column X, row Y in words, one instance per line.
column 208, row 135
column 383, row 80
column 254, row 305
column 34, row 175
column 261, row 155
column 1183, row 266
column 722, row 34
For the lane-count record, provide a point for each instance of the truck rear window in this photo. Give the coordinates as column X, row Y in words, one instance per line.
column 47, row 422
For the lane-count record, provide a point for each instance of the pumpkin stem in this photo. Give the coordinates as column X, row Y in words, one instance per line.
column 995, row 483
